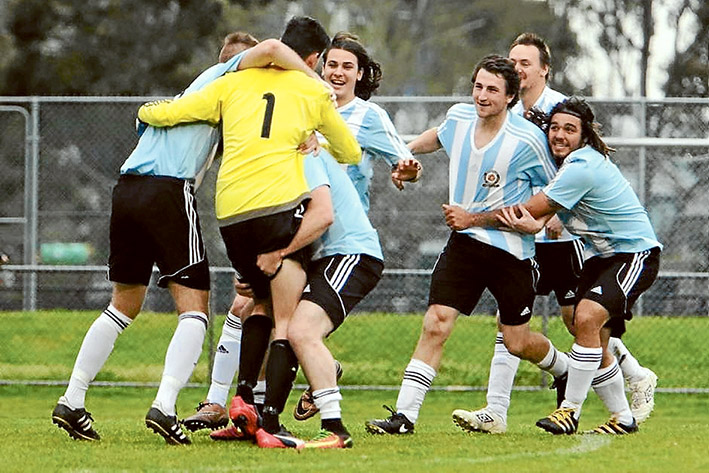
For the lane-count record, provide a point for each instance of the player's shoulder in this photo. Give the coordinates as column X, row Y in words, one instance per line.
column 522, row 128
column 586, row 155
column 462, row 111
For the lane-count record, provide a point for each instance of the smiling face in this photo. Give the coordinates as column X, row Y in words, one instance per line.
column 532, row 74
column 341, row 71
column 565, row 135
column 490, row 94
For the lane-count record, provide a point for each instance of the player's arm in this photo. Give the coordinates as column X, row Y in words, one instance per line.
column 273, row 52
column 426, row 142
column 316, row 220
column 341, row 142
column 202, row 105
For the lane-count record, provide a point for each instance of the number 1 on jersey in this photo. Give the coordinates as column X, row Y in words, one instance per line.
column 268, row 115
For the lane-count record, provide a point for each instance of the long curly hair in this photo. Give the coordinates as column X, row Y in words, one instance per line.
column 371, row 70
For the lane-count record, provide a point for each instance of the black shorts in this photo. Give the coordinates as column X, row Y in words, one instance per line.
column 246, row 240
column 154, row 221
column 466, row 267
column 617, row 281
column 337, row 283
column 560, row 266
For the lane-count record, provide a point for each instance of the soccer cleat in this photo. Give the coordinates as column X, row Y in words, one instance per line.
column 166, row 426
column 642, row 396
column 395, row 424
column 228, row 433
column 560, row 385
column 244, row 416
column 561, row 421
column 77, row 422
column 306, row 408
column 209, row 415
column 613, row 427
column 482, row 420
column 281, row 439
column 327, row 439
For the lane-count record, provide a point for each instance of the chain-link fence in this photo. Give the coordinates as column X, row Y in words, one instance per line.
column 61, row 157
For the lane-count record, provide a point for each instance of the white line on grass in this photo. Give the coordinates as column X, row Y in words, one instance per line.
column 587, row 443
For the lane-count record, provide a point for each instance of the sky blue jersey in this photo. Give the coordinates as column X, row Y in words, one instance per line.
column 184, row 151
column 500, row 174
column 351, row 232
column 376, row 135
column 602, row 207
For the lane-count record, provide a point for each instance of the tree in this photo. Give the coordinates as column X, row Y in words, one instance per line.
column 688, row 74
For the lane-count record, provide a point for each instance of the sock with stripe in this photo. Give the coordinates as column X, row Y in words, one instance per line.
column 632, row 371
column 503, row 369
column 254, row 344
column 418, row 377
column 95, row 350
column 555, row 361
column 328, row 401
column 583, row 363
column 608, row 384
column 226, row 360
column 181, row 358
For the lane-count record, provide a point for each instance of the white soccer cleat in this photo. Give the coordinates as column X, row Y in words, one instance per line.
column 482, row 420
column 642, row 395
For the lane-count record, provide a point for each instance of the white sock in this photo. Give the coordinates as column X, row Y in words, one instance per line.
column 418, row 378
column 328, row 401
column 555, row 361
column 95, row 350
column 608, row 384
column 181, row 357
column 226, row 360
column 583, row 363
column 503, row 369
column 632, row 371
column 260, row 392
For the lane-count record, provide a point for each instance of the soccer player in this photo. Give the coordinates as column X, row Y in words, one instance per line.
column 496, row 158
column 154, row 220
column 596, row 202
column 261, row 197
column 560, row 258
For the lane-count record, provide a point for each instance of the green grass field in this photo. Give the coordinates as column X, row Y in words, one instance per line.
column 374, row 348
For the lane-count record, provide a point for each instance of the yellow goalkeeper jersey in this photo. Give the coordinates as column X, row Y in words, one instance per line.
column 266, row 114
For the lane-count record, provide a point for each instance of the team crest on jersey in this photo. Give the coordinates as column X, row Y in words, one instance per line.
column 491, row 179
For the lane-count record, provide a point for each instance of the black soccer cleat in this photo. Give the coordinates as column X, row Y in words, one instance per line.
column 560, row 385
column 77, row 422
column 395, row 424
column 166, row 426
column 561, row 421
column 613, row 427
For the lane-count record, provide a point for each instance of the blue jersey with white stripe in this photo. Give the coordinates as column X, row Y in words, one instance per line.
column 376, row 135
column 184, row 151
column 351, row 232
column 602, row 207
column 500, row 174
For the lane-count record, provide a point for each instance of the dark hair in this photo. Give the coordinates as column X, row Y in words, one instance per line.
column 579, row 108
column 305, row 36
column 504, row 67
column 232, row 42
column 371, row 70
column 531, row 39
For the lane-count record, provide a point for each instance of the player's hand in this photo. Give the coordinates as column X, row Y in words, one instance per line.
column 519, row 219
column 329, row 88
column 405, row 170
column 456, row 217
column 270, row 263
column 243, row 288
column 310, row 145
column 554, row 228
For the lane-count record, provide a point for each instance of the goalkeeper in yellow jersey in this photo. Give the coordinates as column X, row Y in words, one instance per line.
column 262, row 195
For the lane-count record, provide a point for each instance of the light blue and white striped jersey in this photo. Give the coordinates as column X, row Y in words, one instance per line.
column 601, row 206
column 184, row 151
column 376, row 135
column 351, row 232
column 501, row 173
column 545, row 103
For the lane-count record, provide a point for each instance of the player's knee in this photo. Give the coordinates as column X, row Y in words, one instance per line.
column 437, row 325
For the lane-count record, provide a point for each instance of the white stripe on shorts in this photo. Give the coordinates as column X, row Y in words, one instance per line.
column 343, row 271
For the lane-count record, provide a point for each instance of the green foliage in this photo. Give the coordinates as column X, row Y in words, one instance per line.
column 668, row 441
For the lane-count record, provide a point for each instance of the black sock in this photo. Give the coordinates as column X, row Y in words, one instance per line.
column 256, row 331
column 281, row 368
column 269, row 420
column 334, row 426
